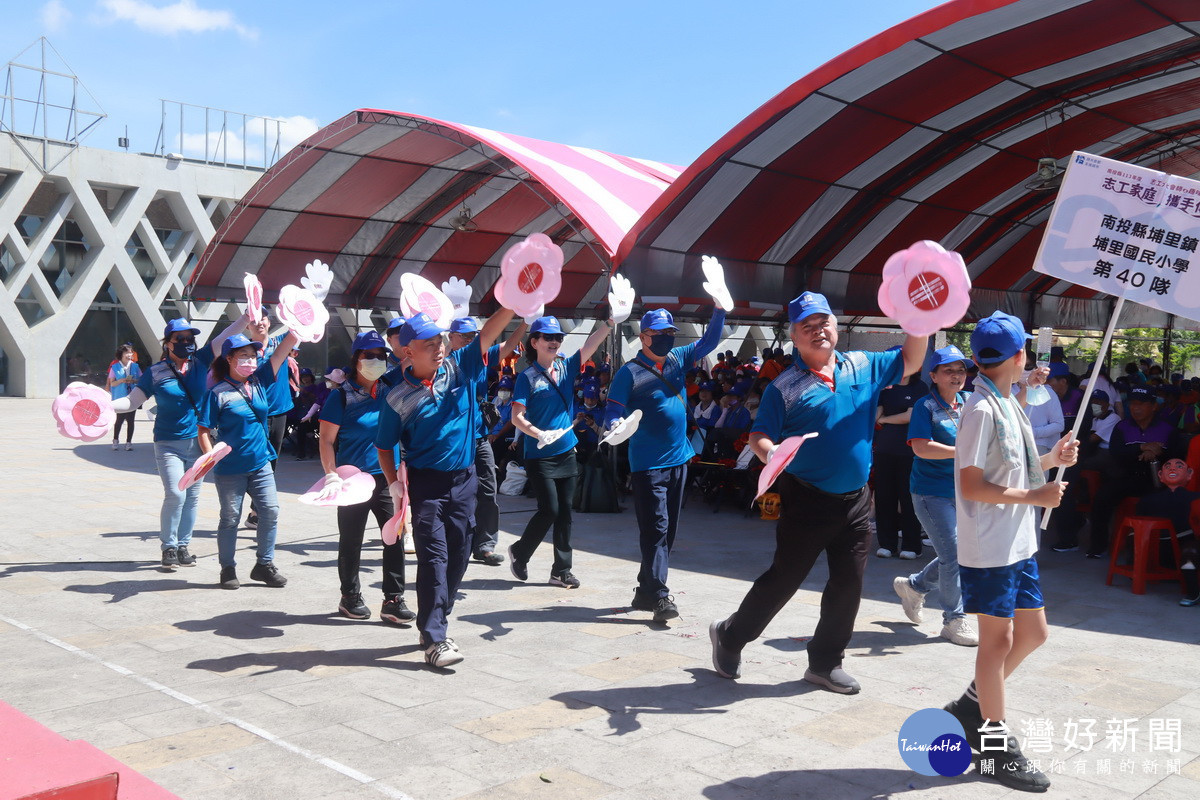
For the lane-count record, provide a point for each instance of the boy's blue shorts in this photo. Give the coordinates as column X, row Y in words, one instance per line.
column 1000, row 591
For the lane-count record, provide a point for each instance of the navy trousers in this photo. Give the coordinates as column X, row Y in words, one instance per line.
column 657, row 500
column 442, row 505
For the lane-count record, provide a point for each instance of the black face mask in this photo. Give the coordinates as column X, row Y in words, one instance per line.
column 661, row 344
column 183, row 349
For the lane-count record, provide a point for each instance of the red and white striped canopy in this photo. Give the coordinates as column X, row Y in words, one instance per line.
column 375, row 195
column 930, row 130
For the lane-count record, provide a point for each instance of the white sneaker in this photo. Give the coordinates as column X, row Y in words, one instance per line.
column 128, row 446
column 959, row 631
column 912, row 600
column 442, row 654
column 908, row 555
column 883, row 552
column 114, row 445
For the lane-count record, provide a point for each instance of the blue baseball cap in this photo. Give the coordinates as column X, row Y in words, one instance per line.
column 177, row 325
column 418, row 326
column 239, row 340
column 947, row 355
column 806, row 305
column 1100, row 394
column 707, row 386
column 394, row 325
column 1059, row 369
column 368, row 340
column 464, row 325
column 658, row 319
column 592, row 392
column 505, row 383
column 998, row 337
column 545, row 325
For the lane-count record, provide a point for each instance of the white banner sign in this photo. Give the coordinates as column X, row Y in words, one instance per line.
column 1126, row 231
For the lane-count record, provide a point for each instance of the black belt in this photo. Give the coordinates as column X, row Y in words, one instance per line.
column 817, row 490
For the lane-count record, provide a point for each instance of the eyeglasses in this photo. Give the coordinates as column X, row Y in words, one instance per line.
column 551, row 337
column 470, row 337
column 184, row 339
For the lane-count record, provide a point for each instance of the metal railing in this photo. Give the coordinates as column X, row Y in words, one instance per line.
column 228, row 138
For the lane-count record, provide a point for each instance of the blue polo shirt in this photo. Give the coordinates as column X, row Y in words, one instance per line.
column 356, row 412
column 661, row 439
column 839, row 459
column 433, row 421
column 279, row 393
column 587, row 435
column 934, row 420
column 239, row 412
column 177, row 401
column 548, row 404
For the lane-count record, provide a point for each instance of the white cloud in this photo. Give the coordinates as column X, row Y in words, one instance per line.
column 183, row 16
column 295, row 130
column 55, row 15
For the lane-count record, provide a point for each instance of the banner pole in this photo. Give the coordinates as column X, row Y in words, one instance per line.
column 1087, row 392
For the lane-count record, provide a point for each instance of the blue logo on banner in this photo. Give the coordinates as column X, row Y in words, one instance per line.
column 932, row 742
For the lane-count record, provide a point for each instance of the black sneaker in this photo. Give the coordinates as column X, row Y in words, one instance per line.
column 1011, row 768
column 170, row 559
column 396, row 611
column 186, row 559
column 268, row 575
column 727, row 663
column 565, row 579
column 643, row 602
column 442, row 655
column 835, row 680
column 490, row 558
column 252, row 520
column 1094, row 555
column 520, row 569
column 229, row 579
column 665, row 609
column 967, row 712
column 352, row 606
column 1065, row 548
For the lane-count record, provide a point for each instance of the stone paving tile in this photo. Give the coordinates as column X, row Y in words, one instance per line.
column 556, row 783
column 163, row 750
column 573, row 684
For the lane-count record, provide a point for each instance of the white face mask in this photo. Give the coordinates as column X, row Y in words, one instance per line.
column 372, row 368
column 503, row 397
column 1097, row 409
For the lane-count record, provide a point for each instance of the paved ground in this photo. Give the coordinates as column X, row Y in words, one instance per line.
column 566, row 694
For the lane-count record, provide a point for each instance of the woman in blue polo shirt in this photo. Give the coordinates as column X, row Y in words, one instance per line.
column 177, row 384
column 350, row 418
column 122, row 376
column 542, row 405
column 237, row 406
column 932, row 433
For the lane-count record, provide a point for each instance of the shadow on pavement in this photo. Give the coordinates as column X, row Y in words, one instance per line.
column 123, row 590
column 816, row 783
column 304, row 660
column 500, row 623
column 259, row 624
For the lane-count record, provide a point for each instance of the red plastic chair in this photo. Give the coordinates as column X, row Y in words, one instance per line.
column 1193, row 461
column 1147, row 564
column 1092, row 478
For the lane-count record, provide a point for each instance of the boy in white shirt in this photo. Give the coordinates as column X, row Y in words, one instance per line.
column 999, row 479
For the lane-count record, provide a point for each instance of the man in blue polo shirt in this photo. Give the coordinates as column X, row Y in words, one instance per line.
column 825, row 502
column 392, row 335
column 485, row 525
column 432, row 414
column 659, row 451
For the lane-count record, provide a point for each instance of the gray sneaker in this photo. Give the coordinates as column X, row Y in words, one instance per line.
column 726, row 662
column 835, row 680
column 912, row 600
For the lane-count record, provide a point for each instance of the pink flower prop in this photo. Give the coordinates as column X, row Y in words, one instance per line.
column 302, row 313
column 357, row 487
column 530, row 275
column 254, row 292
column 779, row 462
column 418, row 294
column 203, row 464
column 83, row 412
column 925, row 288
column 392, row 529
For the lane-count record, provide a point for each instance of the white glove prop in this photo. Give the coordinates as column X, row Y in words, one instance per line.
column 546, row 438
column 623, row 428
column 714, row 284
column 333, row 483
column 459, row 293
column 311, row 413
column 620, row 298
column 318, row 279
column 541, row 312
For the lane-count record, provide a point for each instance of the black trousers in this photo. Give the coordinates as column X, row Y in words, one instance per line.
column 486, row 526
column 352, row 527
column 811, row 522
column 896, row 524
column 553, row 481
column 276, row 428
column 126, row 419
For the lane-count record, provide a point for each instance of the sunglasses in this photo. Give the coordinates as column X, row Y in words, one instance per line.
column 184, row 339
column 552, row 337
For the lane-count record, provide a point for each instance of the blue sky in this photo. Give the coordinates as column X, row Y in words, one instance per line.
column 660, row 80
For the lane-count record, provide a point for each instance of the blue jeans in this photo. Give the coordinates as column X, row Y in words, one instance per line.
column 178, row 515
column 231, row 490
column 937, row 516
